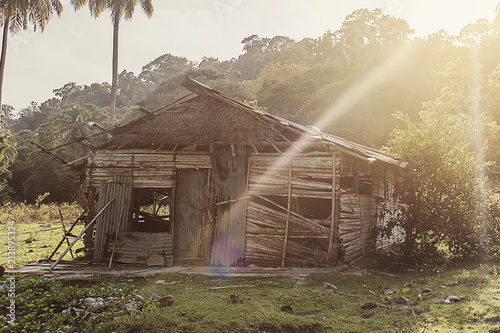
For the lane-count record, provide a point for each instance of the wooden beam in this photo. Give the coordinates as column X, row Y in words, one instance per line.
column 254, row 148
column 146, row 111
column 287, row 210
column 99, row 126
column 291, row 143
column 161, row 145
column 274, row 146
column 46, row 151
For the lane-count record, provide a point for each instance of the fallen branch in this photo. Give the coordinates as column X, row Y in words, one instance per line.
column 344, row 294
column 236, row 286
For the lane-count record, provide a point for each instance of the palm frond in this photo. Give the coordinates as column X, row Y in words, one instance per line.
column 147, row 7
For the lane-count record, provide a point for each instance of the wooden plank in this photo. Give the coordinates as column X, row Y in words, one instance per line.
column 287, row 210
column 332, row 225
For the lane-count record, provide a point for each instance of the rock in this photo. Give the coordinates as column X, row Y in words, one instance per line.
column 447, row 301
column 131, row 310
column 89, row 300
column 166, row 300
column 160, row 282
column 139, row 298
column 426, row 290
column 309, row 316
column 404, row 307
column 329, row 286
column 287, row 308
column 95, row 307
column 401, row 300
column 154, row 297
column 118, row 313
column 388, row 292
column 99, row 299
column 497, row 298
column 370, row 305
column 453, row 299
column 155, row 260
column 439, row 301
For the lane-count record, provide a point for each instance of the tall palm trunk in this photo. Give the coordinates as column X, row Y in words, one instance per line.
column 4, row 54
column 112, row 107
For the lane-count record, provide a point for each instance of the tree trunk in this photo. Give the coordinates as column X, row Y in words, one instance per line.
column 4, row 54
column 115, row 67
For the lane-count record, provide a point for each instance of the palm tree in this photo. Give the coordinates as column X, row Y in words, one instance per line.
column 16, row 14
column 119, row 9
column 8, row 150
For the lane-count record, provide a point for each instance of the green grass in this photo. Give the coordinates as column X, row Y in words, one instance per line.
column 256, row 305
column 37, row 230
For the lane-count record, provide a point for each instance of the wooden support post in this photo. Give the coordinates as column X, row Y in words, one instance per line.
column 80, row 235
column 333, row 242
column 88, row 239
column 287, row 210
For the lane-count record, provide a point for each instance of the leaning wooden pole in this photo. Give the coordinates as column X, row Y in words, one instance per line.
column 62, row 240
column 80, row 235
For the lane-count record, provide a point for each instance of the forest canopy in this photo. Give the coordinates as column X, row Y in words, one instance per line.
column 348, row 82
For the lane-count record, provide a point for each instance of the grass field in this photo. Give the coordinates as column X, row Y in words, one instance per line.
column 266, row 304
column 37, row 230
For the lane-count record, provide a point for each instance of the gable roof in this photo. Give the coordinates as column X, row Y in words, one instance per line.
column 211, row 117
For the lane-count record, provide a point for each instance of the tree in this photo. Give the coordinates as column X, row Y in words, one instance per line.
column 16, row 14
column 8, row 150
column 119, row 9
column 446, row 200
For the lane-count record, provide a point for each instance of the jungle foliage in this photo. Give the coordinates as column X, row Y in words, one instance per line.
column 445, row 88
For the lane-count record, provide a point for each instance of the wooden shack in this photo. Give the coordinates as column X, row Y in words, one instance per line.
column 211, row 180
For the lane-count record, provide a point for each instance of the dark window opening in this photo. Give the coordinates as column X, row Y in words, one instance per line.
column 362, row 185
column 314, row 208
column 365, row 184
column 152, row 210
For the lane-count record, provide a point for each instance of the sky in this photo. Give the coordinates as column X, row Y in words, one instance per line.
column 77, row 48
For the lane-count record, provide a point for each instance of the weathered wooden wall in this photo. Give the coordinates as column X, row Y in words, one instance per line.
column 358, row 219
column 278, row 233
column 139, row 247
column 119, row 189
column 229, row 179
column 148, row 170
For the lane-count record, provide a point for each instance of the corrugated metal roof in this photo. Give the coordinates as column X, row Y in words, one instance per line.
column 347, row 146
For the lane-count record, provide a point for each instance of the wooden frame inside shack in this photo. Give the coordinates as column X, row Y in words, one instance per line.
column 213, row 181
